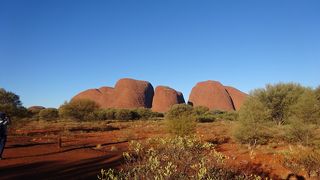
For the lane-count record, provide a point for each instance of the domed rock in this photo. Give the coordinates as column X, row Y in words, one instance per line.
column 101, row 96
column 165, row 97
column 130, row 93
column 211, row 94
column 237, row 96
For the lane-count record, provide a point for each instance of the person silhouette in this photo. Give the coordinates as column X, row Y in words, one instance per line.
column 4, row 122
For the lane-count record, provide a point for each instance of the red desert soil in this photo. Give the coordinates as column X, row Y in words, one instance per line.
column 37, row 156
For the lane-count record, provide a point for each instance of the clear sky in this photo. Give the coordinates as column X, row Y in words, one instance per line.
column 52, row 49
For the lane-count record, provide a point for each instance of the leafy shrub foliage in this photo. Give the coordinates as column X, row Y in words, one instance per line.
column 78, row 109
column 11, row 105
column 124, row 114
column 169, row 158
column 180, row 120
column 49, row 114
column 282, row 104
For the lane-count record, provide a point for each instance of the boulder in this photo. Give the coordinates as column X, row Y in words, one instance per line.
column 211, row 94
column 131, row 93
column 165, row 97
column 237, row 96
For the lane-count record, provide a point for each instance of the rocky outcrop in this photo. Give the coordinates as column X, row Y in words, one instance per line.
column 130, row 93
column 165, row 98
column 101, row 96
column 237, row 97
column 211, row 94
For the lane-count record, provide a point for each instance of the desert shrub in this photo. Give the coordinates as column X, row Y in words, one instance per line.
column 307, row 109
column 179, row 110
column 253, row 126
column 279, row 99
column 143, row 113
column 124, row 114
column 300, row 132
column 11, row 105
column 201, row 114
column 78, row 109
column 49, row 114
column 303, row 159
column 290, row 104
column 200, row 110
column 205, row 118
column 225, row 115
column 169, row 158
column 180, row 120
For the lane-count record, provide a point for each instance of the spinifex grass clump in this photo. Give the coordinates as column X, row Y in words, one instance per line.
column 172, row 158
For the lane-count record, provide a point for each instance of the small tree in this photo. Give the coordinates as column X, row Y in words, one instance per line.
column 180, row 120
column 78, row 109
column 10, row 104
column 253, row 118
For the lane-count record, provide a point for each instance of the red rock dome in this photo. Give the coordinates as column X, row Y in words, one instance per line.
column 130, row 93
column 165, row 97
column 211, row 94
column 237, row 96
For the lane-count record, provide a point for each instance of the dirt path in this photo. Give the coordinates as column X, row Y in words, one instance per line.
column 27, row 159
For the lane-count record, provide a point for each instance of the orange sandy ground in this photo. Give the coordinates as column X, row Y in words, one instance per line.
column 39, row 156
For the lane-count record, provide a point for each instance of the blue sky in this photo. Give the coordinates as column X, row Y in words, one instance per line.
column 52, row 49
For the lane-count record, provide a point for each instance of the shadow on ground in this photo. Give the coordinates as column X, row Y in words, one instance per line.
column 82, row 169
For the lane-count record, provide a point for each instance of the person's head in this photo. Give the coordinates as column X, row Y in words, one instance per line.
column 2, row 115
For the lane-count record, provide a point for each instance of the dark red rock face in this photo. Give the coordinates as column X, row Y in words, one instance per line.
column 101, row 96
column 130, row 93
column 165, row 98
column 237, row 96
column 211, row 94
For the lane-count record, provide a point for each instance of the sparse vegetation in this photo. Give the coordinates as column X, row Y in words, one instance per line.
column 289, row 105
column 49, row 114
column 173, row 158
column 78, row 109
column 180, row 120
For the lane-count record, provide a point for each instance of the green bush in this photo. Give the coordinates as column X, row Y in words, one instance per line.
column 180, row 120
column 300, row 132
column 173, row 158
column 124, row 114
column 307, row 109
column 179, row 110
column 11, row 105
column 78, row 109
column 225, row 115
column 205, row 118
column 254, row 121
column 200, row 110
column 282, row 104
column 49, row 114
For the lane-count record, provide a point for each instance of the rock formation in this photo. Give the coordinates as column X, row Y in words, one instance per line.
column 130, row 93
column 237, row 96
column 101, row 96
column 165, row 97
column 211, row 94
